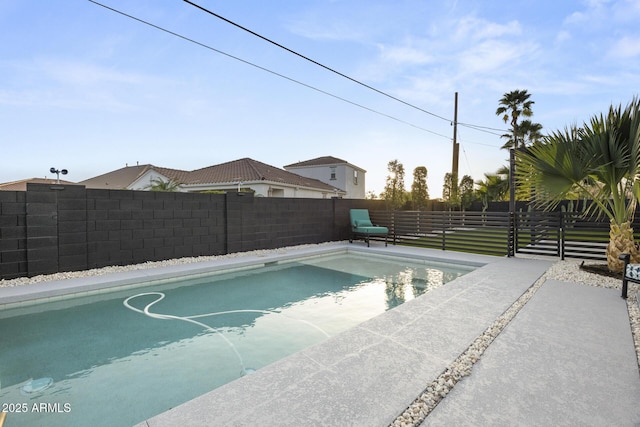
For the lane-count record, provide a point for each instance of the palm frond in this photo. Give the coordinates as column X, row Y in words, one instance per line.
column 600, row 161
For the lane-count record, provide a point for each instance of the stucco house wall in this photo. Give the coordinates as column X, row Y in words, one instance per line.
column 265, row 180
column 146, row 180
column 345, row 176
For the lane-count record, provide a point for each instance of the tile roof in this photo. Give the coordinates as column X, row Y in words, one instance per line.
column 22, row 184
column 243, row 170
column 248, row 170
column 118, row 179
column 319, row 161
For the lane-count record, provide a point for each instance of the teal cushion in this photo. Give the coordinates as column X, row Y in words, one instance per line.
column 363, row 223
column 372, row 230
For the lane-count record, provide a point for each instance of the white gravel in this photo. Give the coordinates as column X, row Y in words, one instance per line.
column 150, row 264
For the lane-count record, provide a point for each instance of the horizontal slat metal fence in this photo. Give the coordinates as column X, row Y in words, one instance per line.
column 563, row 234
column 560, row 234
column 585, row 238
column 477, row 232
column 538, row 233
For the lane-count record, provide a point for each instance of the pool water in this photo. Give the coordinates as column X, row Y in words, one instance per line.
column 122, row 357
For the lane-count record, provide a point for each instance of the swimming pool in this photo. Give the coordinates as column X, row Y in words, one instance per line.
column 122, row 357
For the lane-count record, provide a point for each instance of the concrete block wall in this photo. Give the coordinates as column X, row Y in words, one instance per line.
column 13, row 234
column 129, row 227
column 72, row 228
column 42, row 229
column 55, row 228
column 285, row 222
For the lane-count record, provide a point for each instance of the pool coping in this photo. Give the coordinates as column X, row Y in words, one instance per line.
column 47, row 291
column 332, row 382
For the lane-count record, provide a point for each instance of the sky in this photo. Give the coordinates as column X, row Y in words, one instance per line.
column 89, row 90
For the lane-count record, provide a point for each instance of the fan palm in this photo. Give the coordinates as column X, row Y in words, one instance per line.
column 495, row 186
column 600, row 162
column 528, row 133
column 158, row 184
column 513, row 105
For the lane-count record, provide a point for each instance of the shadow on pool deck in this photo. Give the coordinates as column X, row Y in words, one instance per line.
column 566, row 358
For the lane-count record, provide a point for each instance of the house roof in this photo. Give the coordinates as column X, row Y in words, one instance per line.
column 249, row 170
column 322, row 161
column 120, row 179
column 22, row 184
column 319, row 161
column 244, row 170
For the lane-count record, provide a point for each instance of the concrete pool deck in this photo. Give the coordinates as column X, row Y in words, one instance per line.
column 548, row 368
column 567, row 357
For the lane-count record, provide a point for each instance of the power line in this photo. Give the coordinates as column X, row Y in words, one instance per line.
column 466, row 141
column 268, row 70
column 484, row 129
column 475, row 127
column 235, row 24
column 464, row 152
column 313, row 61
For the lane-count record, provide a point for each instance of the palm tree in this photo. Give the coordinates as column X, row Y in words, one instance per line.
column 528, row 134
column 601, row 162
column 512, row 106
column 158, row 184
column 495, row 186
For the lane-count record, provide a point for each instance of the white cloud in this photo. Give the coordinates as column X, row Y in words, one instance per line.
column 609, row 25
column 335, row 32
column 626, row 11
column 398, row 59
column 494, row 55
column 626, row 47
column 576, row 18
column 604, row 13
column 65, row 99
column 80, row 73
column 471, row 28
column 60, row 83
column 563, row 36
column 594, row 12
column 479, row 56
column 404, row 55
column 601, row 80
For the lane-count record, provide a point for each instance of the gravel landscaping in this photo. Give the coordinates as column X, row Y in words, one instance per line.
column 150, row 264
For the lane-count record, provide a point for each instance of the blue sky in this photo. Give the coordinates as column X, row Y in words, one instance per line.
column 89, row 90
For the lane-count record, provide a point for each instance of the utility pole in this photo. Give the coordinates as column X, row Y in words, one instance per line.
column 456, row 153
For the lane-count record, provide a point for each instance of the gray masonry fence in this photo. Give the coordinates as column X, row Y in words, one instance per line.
column 56, row 228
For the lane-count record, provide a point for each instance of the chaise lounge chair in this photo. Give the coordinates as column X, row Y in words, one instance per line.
column 362, row 227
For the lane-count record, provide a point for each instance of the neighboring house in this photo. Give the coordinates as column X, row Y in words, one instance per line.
column 333, row 171
column 137, row 177
column 264, row 180
column 22, row 184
